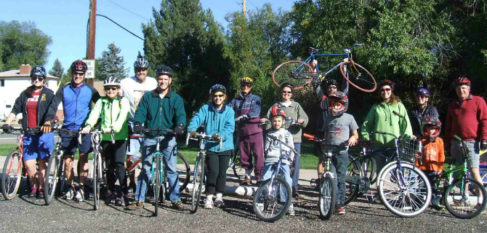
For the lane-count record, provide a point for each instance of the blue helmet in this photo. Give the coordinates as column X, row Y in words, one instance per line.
column 38, row 71
column 423, row 91
column 218, row 87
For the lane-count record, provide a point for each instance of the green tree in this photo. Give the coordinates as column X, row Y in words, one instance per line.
column 110, row 64
column 57, row 69
column 22, row 43
column 187, row 39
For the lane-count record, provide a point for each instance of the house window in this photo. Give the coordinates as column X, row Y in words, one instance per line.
column 2, row 82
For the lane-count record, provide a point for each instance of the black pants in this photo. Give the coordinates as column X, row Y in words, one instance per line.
column 115, row 159
column 216, row 175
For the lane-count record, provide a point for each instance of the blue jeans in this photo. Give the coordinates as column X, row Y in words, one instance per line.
column 285, row 172
column 339, row 165
column 169, row 151
column 297, row 163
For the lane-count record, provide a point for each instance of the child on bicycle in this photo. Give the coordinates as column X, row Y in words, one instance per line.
column 338, row 125
column 273, row 151
column 113, row 112
column 433, row 156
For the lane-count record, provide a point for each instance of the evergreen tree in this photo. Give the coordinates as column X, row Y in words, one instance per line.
column 110, row 64
column 187, row 39
column 57, row 69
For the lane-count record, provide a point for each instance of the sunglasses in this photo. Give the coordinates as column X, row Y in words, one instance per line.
column 245, row 85
column 78, row 74
column 385, row 89
column 286, row 92
column 140, row 69
column 37, row 78
column 111, row 88
column 219, row 96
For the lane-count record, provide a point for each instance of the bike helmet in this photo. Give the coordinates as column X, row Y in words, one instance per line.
column 38, row 71
column 218, row 87
column 337, row 103
column 431, row 122
column 79, row 66
column 287, row 85
column 276, row 111
column 331, row 82
column 422, row 91
column 164, row 70
column 462, row 81
column 246, row 80
column 141, row 62
column 386, row 82
column 111, row 81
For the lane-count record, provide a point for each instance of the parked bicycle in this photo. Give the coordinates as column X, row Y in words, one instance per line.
column 463, row 196
column 273, row 196
column 199, row 167
column 300, row 73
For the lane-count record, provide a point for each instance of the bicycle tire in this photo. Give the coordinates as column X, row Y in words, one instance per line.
column 97, row 173
column 406, row 203
column 237, row 168
column 12, row 174
column 267, row 205
column 327, row 199
column 358, row 76
column 51, row 178
column 198, row 180
column 156, row 184
column 455, row 197
column 354, row 177
column 295, row 72
column 369, row 168
column 62, row 181
column 184, row 173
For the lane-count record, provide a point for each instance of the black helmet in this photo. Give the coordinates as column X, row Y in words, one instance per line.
column 79, row 66
column 38, row 71
column 163, row 69
column 287, row 85
column 218, row 87
column 111, row 81
column 431, row 122
column 141, row 62
column 337, row 103
column 330, row 82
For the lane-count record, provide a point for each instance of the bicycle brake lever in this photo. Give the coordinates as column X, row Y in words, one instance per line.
column 187, row 139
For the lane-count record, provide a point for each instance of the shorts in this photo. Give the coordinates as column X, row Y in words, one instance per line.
column 70, row 143
column 473, row 153
column 38, row 146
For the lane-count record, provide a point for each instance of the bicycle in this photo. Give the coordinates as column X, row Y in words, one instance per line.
column 184, row 172
column 463, row 196
column 361, row 173
column 99, row 170
column 199, row 167
column 300, row 73
column 13, row 168
column 273, row 196
column 328, row 183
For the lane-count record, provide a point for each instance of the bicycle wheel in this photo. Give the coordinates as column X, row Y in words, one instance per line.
column 51, row 178
column 156, row 184
column 62, row 181
column 184, row 172
column 295, row 72
column 465, row 198
column 358, row 76
column 406, row 192
column 327, row 200
column 353, row 180
column 369, row 168
column 272, row 199
column 237, row 168
column 97, row 177
column 198, row 180
column 12, row 174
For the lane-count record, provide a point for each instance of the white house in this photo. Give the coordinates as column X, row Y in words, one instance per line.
column 13, row 82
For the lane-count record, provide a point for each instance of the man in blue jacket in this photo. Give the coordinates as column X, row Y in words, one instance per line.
column 160, row 109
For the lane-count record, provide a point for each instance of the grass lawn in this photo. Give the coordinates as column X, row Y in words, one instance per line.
column 308, row 160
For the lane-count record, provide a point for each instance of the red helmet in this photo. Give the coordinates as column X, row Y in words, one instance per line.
column 337, row 103
column 276, row 111
column 79, row 66
column 428, row 123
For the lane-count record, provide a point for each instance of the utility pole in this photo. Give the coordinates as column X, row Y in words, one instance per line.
column 90, row 53
column 243, row 8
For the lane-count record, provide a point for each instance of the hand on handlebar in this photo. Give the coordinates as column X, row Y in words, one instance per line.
column 241, row 118
column 193, row 134
column 86, row 130
column 215, row 137
column 352, row 141
column 46, row 128
column 138, row 128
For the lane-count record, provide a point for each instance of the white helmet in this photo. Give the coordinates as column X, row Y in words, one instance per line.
column 111, row 81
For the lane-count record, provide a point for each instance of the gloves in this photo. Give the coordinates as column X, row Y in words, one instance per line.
column 6, row 128
column 483, row 145
column 46, row 128
column 215, row 137
column 192, row 134
column 138, row 128
column 316, row 82
column 179, row 130
column 241, row 118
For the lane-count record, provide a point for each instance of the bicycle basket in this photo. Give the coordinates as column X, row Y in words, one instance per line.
column 409, row 149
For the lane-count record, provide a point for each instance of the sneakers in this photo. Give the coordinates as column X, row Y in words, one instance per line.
column 219, row 203
column 178, row 205
column 135, row 205
column 291, row 211
column 40, row 194
column 438, row 207
column 209, row 203
column 69, row 194
column 33, row 192
column 340, row 210
column 80, row 195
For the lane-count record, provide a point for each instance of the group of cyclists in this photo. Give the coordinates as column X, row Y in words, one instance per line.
column 134, row 104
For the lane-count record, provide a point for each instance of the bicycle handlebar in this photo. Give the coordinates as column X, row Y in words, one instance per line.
column 283, row 143
column 204, row 136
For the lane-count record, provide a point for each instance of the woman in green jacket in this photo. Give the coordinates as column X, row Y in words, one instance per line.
column 388, row 115
column 113, row 112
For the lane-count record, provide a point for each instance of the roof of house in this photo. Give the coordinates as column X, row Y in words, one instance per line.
column 17, row 74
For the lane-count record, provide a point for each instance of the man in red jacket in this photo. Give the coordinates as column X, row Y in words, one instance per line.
column 467, row 118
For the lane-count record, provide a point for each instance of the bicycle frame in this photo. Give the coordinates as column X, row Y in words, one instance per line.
column 158, row 156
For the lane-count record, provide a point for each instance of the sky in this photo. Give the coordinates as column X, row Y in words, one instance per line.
column 65, row 21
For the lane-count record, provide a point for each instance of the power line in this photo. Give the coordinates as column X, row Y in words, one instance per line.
column 113, row 21
column 128, row 10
